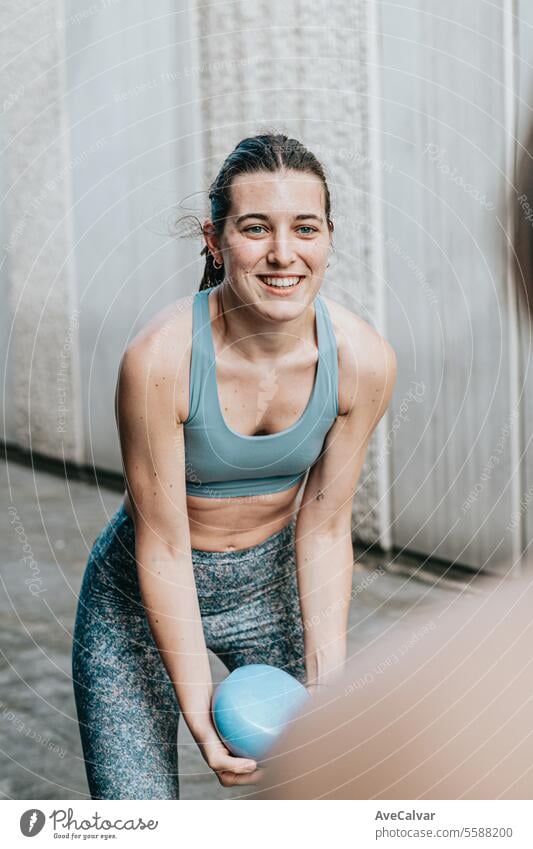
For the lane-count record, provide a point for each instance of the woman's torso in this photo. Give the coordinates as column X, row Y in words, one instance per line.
column 232, row 523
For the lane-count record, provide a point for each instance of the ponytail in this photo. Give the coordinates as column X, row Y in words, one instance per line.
column 212, row 275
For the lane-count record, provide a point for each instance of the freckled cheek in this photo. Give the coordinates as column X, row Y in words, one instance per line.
column 315, row 256
column 245, row 257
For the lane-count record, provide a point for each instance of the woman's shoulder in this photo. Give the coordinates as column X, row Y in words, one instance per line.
column 361, row 350
column 160, row 330
column 162, row 347
column 345, row 321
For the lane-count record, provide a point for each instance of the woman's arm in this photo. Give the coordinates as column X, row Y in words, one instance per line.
column 152, row 445
column 324, row 553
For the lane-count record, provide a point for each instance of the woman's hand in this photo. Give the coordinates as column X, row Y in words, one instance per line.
column 230, row 770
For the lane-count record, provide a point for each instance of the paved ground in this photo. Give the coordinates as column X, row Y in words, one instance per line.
column 40, row 749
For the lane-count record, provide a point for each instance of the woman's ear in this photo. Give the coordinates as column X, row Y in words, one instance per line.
column 211, row 238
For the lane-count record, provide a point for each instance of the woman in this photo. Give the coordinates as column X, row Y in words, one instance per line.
column 223, row 405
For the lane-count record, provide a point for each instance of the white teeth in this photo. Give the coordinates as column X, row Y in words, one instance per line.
column 280, row 282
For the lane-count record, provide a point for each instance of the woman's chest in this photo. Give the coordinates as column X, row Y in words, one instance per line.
column 264, row 399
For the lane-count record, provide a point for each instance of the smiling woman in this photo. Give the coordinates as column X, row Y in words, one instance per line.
column 244, row 420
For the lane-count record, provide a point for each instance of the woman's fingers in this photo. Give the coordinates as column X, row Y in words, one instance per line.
column 222, row 761
column 232, row 779
column 229, row 769
column 232, row 771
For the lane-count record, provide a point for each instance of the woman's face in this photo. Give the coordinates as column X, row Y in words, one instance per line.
column 276, row 232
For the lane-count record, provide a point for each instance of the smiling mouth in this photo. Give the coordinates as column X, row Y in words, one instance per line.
column 276, row 282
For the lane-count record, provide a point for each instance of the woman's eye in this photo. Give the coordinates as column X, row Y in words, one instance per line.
column 307, row 227
column 248, row 229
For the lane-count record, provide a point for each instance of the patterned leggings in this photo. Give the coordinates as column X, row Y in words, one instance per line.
column 127, row 708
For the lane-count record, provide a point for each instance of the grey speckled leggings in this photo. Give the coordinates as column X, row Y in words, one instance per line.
column 127, row 708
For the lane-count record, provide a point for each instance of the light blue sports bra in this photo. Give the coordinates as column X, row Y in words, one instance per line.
column 219, row 462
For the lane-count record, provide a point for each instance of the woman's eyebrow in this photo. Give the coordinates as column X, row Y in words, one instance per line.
column 264, row 217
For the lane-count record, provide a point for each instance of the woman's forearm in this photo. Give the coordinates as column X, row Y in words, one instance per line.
column 325, row 569
column 168, row 590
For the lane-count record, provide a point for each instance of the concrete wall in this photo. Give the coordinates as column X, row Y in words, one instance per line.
column 449, row 129
column 132, row 113
column 101, row 147
column 42, row 357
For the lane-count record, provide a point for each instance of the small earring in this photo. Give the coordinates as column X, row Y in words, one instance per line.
column 215, row 264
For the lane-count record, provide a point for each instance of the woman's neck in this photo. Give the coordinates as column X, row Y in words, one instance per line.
column 255, row 337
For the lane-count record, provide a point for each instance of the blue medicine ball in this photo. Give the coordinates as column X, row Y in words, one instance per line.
column 252, row 706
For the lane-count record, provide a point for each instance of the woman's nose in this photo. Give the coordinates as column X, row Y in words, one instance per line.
column 281, row 251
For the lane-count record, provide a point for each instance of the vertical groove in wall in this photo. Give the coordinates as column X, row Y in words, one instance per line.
column 513, row 318
column 376, row 261
column 301, row 68
column 75, row 434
